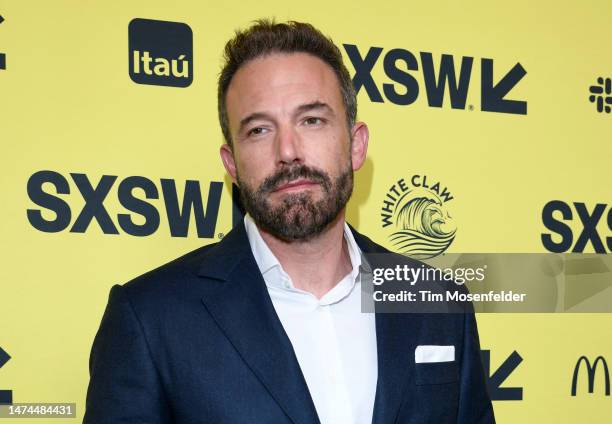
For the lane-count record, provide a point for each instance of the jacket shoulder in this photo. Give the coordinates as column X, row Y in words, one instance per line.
column 170, row 278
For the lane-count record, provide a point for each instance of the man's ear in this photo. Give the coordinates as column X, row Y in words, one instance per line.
column 227, row 157
column 359, row 146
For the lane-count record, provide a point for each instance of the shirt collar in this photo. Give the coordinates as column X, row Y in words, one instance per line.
column 271, row 269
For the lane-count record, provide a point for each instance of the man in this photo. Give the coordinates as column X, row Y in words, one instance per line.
column 266, row 325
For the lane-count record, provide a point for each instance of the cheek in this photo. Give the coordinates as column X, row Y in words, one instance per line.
column 333, row 154
column 252, row 171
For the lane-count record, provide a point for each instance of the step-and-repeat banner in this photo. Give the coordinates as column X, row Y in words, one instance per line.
column 500, row 112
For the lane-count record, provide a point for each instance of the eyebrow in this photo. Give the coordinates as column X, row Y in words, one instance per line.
column 316, row 105
column 313, row 106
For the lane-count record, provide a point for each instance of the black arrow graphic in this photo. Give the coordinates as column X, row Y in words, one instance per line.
column 6, row 396
column 4, row 357
column 2, row 55
column 499, row 376
column 492, row 96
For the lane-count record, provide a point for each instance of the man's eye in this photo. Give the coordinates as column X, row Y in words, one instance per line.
column 313, row 121
column 256, row 131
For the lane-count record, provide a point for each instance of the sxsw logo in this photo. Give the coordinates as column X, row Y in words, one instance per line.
column 450, row 78
column 142, row 202
column 160, row 53
column 591, row 369
column 557, row 216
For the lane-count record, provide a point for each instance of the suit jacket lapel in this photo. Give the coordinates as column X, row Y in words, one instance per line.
column 396, row 338
column 395, row 343
column 240, row 305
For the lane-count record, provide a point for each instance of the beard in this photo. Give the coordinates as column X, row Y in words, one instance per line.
column 298, row 217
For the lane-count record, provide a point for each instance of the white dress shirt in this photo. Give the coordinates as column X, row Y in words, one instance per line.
column 334, row 342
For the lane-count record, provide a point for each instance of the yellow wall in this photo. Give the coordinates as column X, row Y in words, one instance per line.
column 68, row 105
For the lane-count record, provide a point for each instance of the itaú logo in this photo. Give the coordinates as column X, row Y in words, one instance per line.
column 160, row 52
column 162, row 67
column 591, row 372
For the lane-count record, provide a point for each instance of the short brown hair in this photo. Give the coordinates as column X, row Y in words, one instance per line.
column 265, row 37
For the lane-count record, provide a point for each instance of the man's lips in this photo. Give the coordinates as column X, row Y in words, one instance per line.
column 296, row 185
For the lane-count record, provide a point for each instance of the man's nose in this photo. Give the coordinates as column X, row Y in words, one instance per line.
column 288, row 146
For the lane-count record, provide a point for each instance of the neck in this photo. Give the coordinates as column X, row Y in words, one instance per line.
column 318, row 264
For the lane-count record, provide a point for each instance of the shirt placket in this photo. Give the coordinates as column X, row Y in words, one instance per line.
column 339, row 408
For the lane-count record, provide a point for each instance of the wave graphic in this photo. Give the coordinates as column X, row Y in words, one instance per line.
column 426, row 229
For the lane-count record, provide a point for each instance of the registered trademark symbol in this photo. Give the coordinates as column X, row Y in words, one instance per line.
column 220, row 236
column 471, row 108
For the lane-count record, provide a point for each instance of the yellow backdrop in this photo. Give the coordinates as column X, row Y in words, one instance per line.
column 69, row 106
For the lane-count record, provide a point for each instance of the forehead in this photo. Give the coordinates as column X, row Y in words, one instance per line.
column 279, row 82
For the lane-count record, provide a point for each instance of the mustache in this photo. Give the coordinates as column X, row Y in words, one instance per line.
column 286, row 175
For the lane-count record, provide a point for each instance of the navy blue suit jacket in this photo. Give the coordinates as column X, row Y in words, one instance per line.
column 198, row 341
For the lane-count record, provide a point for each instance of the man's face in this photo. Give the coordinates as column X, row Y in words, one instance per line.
column 292, row 156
